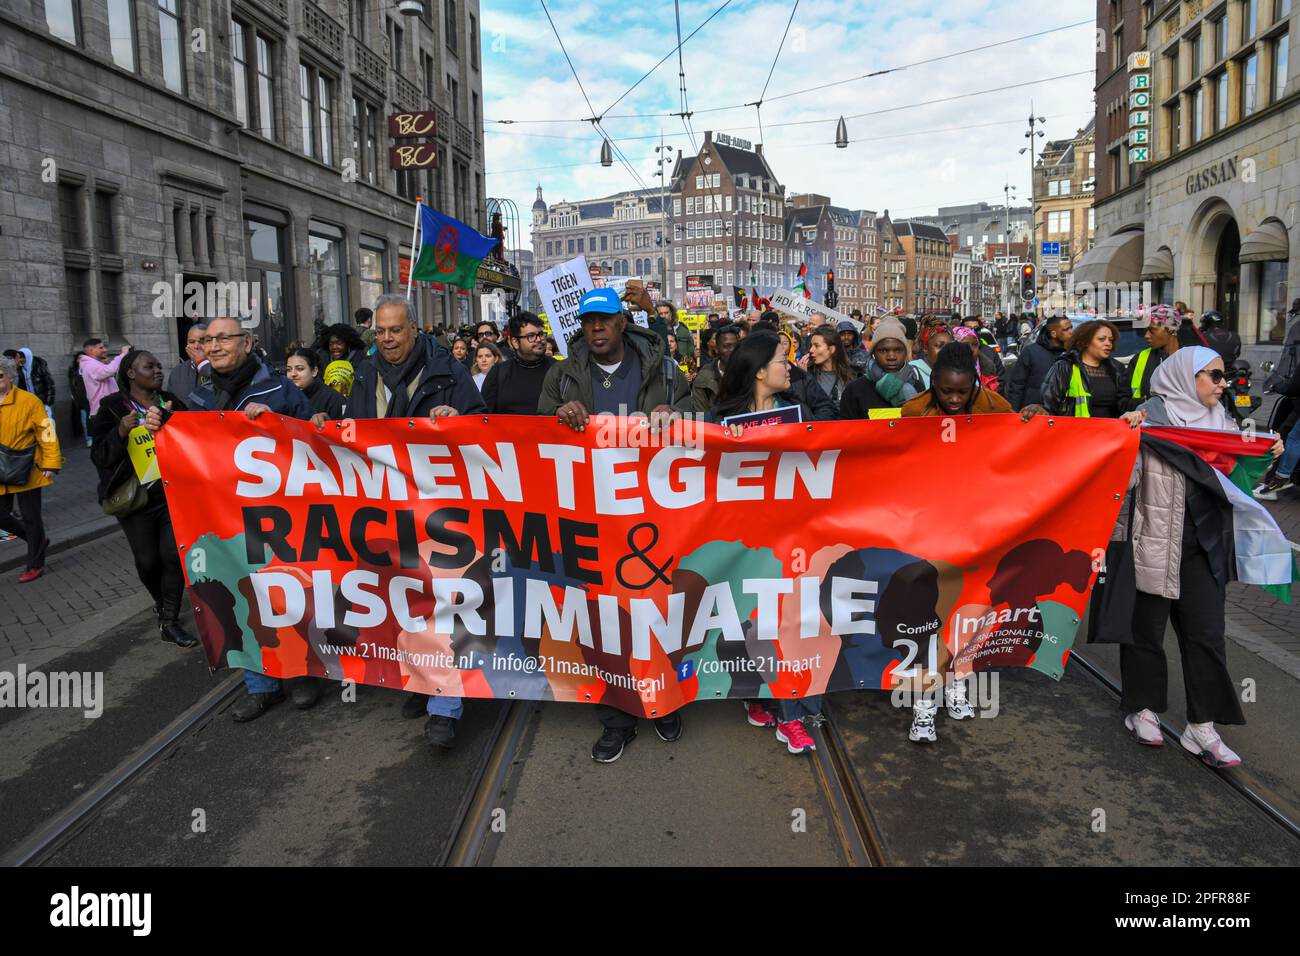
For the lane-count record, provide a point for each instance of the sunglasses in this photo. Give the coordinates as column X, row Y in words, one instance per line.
column 1217, row 375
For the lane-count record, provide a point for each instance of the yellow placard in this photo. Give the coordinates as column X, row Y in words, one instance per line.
column 140, row 448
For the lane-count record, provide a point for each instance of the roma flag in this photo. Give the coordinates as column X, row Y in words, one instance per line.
column 1234, row 462
column 450, row 251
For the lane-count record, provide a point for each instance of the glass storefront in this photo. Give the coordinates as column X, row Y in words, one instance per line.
column 373, row 280
column 329, row 297
column 1272, row 302
column 266, row 268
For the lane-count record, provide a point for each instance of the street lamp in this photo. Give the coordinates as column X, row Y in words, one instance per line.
column 410, row 8
column 1034, row 122
column 841, row 135
column 663, row 158
column 606, row 154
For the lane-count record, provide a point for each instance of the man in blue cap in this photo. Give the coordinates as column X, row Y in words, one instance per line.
column 615, row 368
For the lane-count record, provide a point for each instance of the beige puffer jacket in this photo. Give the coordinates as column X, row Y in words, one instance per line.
column 1152, row 516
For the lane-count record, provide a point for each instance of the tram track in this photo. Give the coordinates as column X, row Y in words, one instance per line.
column 1240, row 779
column 856, row 829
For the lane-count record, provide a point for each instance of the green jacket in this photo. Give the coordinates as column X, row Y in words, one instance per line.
column 570, row 380
column 685, row 341
column 704, row 390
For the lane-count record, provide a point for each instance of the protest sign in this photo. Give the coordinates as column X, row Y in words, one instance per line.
column 561, row 289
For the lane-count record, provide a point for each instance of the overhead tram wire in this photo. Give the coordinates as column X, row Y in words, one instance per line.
column 811, row 89
column 683, row 101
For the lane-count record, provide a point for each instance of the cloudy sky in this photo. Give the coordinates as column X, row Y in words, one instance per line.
column 906, row 157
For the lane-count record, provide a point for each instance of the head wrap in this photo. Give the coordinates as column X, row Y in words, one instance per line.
column 930, row 331
column 338, row 376
column 961, row 334
column 1164, row 317
column 1175, row 382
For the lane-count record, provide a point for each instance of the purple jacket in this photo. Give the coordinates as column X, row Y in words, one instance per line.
column 100, row 379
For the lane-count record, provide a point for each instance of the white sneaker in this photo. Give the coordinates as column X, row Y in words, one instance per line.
column 922, row 731
column 954, row 698
column 1204, row 741
column 1146, row 728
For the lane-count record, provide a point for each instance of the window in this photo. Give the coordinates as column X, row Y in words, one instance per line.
column 325, row 105
column 70, row 216
column 265, row 89
column 170, row 31
column 75, row 288
column 1220, row 38
column 1195, row 44
column 453, row 87
column 473, row 41
column 1249, row 76
column 427, row 70
column 1092, row 220
column 121, row 32
column 449, row 11
column 357, row 18
column 1280, row 65
column 1221, row 101
column 1249, row 19
column 1281, row 9
column 63, row 17
column 1272, row 302
column 1198, row 114
column 1058, row 222
column 110, row 302
column 239, row 71
column 1175, row 122
column 105, row 234
column 1171, row 66
column 325, row 264
column 316, row 93
column 1117, row 49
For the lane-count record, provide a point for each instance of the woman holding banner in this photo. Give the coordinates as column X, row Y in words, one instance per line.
column 757, row 379
column 1181, row 519
column 130, row 488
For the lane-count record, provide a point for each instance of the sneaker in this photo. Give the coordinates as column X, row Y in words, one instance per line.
column 610, row 745
column 1267, row 489
column 758, row 715
column 415, row 705
column 922, row 731
column 1145, row 727
column 1204, row 741
column 441, row 731
column 252, row 706
column 31, row 574
column 954, row 698
column 303, row 692
column 669, row 727
column 795, row 736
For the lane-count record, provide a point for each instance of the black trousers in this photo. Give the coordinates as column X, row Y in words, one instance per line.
column 29, row 527
column 1197, row 617
column 613, row 718
column 153, row 545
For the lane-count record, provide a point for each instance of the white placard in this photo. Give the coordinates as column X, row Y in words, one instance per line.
column 561, row 289
column 619, row 285
column 783, row 300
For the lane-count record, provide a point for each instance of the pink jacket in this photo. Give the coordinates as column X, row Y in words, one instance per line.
column 100, row 378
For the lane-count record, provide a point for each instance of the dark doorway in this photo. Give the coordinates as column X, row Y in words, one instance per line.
column 1227, row 286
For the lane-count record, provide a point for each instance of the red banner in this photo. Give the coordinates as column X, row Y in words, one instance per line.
column 509, row 556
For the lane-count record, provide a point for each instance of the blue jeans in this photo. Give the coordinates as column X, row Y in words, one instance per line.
column 1290, row 457
column 440, row 705
column 789, row 709
column 256, row 683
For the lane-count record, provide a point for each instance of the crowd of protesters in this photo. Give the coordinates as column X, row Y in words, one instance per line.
column 386, row 366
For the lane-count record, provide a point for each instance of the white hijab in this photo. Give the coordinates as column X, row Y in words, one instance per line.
column 1175, row 382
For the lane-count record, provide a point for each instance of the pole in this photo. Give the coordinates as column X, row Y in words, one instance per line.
column 410, row 275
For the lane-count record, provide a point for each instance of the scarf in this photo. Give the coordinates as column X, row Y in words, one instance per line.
column 1175, row 382
column 895, row 387
column 227, row 387
column 397, row 377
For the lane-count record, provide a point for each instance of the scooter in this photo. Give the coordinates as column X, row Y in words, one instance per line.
column 1236, row 394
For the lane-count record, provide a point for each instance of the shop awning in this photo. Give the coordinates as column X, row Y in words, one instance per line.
column 1268, row 243
column 1160, row 265
column 1116, row 258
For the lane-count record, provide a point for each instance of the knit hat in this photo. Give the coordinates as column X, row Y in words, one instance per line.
column 889, row 328
column 1164, row 317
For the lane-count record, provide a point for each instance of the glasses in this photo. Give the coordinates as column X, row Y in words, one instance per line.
column 223, row 339
column 531, row 336
column 1217, row 375
column 488, row 334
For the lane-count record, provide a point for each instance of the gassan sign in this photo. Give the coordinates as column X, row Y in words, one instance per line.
column 1212, row 175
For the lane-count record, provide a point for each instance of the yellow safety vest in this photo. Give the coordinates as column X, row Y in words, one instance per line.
column 1139, row 367
column 1079, row 392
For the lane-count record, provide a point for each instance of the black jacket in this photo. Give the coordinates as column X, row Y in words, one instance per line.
column 512, row 388
column 1056, row 384
column 1224, row 341
column 108, row 448
column 859, row 399
column 1025, row 380
column 812, row 396
column 324, row 399
column 442, row 381
column 41, row 380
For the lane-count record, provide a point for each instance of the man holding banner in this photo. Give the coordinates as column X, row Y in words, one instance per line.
column 615, row 368
column 412, row 376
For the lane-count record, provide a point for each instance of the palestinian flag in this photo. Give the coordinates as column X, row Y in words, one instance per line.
column 449, row 250
column 1229, row 465
column 802, row 285
column 738, row 294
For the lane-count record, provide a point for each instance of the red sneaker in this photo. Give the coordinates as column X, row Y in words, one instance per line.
column 31, row 574
column 758, row 715
column 793, row 734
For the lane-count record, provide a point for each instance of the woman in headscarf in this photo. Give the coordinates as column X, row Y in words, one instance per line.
column 1182, row 554
column 338, row 376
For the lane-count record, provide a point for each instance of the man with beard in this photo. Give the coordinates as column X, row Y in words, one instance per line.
column 412, row 376
column 514, row 387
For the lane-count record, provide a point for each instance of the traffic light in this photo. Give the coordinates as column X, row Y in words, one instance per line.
column 1028, row 282
column 832, row 297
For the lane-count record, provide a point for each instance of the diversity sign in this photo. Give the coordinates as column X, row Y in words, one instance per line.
column 512, row 557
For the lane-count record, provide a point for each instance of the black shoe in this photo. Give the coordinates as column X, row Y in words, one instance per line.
column 441, row 731
column 668, row 727
column 253, row 706
column 175, row 634
column 415, row 705
column 610, row 745
column 303, row 692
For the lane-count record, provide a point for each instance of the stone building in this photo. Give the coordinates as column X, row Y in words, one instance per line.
column 927, row 276
column 1209, row 219
column 151, row 145
column 621, row 235
column 1063, row 191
